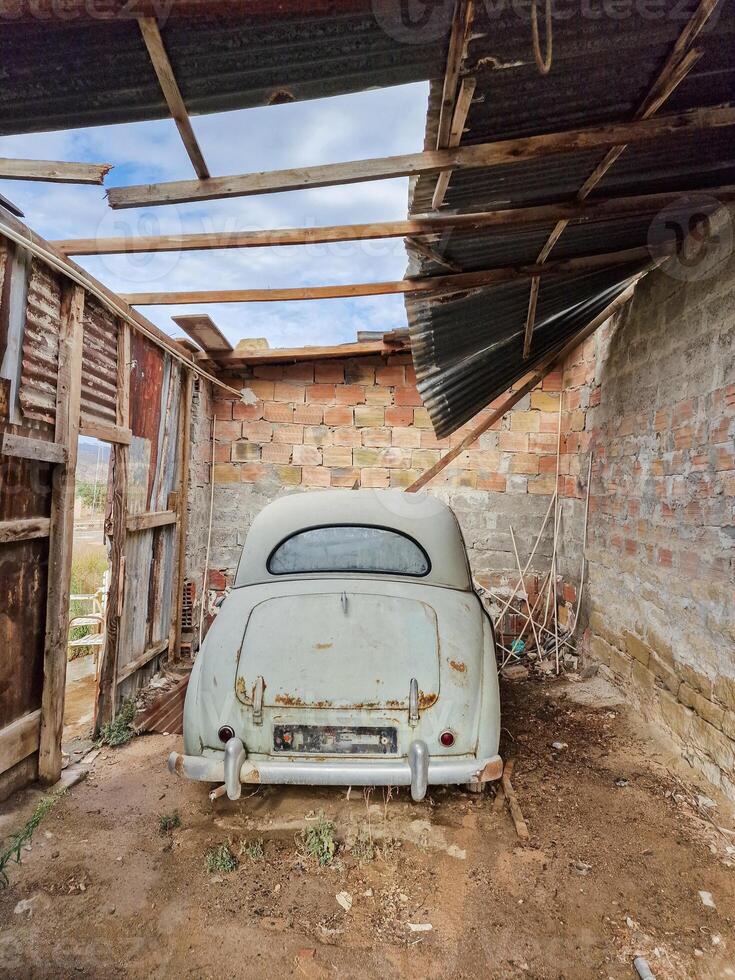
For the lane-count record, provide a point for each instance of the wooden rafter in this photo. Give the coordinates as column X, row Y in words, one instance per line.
column 202, row 329
column 171, row 92
column 678, row 65
column 55, row 171
column 432, row 255
column 458, row 282
column 462, row 107
column 600, row 208
column 458, row 41
column 426, row 162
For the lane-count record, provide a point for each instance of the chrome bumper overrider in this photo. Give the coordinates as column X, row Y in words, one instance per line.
column 418, row 770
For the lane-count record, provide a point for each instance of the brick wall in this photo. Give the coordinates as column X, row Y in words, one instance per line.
column 652, row 396
column 359, row 422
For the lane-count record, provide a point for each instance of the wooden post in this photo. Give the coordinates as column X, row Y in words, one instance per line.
column 68, row 395
column 184, row 452
column 107, row 674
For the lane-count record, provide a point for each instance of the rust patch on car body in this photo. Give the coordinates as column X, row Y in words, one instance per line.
column 426, row 700
column 323, row 646
column 493, row 770
column 289, row 700
column 251, row 777
column 458, row 665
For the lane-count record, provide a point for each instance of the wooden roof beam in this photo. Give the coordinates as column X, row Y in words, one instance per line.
column 461, row 109
column 53, row 171
column 677, row 66
column 600, row 208
column 171, row 92
column 458, row 282
column 458, row 41
column 202, row 329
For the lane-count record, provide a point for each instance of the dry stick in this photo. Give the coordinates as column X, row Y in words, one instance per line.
column 515, row 809
column 584, row 546
column 525, row 591
column 209, row 534
column 528, row 563
column 556, row 535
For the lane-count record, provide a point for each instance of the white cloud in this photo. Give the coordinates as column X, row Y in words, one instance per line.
column 375, row 123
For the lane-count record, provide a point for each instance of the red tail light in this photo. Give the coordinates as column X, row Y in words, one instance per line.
column 225, row 733
column 447, row 739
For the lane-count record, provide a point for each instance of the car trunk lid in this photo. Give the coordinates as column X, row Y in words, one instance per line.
column 340, row 650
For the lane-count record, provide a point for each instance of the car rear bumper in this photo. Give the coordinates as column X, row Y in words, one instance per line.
column 417, row 770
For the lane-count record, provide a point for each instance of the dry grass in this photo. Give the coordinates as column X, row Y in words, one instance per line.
column 89, row 564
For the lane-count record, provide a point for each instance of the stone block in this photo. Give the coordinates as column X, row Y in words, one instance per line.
column 724, row 691
column 636, row 647
column 643, row 679
column 664, row 673
column 676, row 715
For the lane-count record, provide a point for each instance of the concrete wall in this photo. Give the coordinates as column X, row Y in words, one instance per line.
column 653, row 398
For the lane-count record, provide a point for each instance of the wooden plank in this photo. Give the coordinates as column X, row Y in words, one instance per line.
column 68, row 395
column 149, row 519
column 531, row 317
column 183, row 515
column 171, row 92
column 611, row 207
column 26, row 448
column 145, row 658
column 457, row 282
column 55, row 171
column 432, row 255
column 123, row 375
column 19, row 739
column 458, row 41
column 104, row 431
column 464, row 101
column 23, row 529
column 289, row 355
column 513, row 805
column 543, row 368
column 425, row 162
column 204, row 331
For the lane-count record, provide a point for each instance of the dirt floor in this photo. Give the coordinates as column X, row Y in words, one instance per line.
column 620, row 849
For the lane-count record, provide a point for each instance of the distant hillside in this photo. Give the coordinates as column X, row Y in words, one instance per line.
column 87, row 462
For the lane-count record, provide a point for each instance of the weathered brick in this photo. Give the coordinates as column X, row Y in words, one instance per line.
column 345, row 477
column 255, row 472
column 288, row 475
column 226, row 473
column 369, row 415
column 260, row 388
column 346, row 436
column 407, row 395
column 315, row 476
column 360, row 371
column 403, row 478
column 245, row 452
column 225, row 430
column 337, row 456
column 349, row 395
column 524, row 463
column 379, row 396
column 398, row 416
column 284, row 391
column 636, row 647
column 525, row 421
column 317, row 435
column 513, row 442
column 306, row 455
column 257, row 431
column 277, row 412
column 545, row 401
column 541, row 484
column 422, row 459
column 329, row 372
column 251, row 412
column 338, row 415
column 393, row 375
column 303, row 371
column 365, row 457
column 380, row 436
column 308, row 414
column 421, row 418
column 406, row 438
column 288, row 433
column 324, row 394
column 491, row 481
column 273, row 452
column 395, row 458
column 375, row 477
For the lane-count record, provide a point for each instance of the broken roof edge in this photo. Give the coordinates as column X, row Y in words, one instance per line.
column 393, row 342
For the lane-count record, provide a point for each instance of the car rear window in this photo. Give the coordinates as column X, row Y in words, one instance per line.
column 349, row 548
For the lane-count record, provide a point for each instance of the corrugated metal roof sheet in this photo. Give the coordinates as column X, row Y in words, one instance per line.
column 469, row 350
column 60, row 75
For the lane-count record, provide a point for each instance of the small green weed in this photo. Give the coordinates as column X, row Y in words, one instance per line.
column 253, row 849
column 319, row 840
column 120, row 730
column 220, row 859
column 362, row 846
column 168, row 822
column 18, row 841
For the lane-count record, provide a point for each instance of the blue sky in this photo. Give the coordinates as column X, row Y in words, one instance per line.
column 375, row 123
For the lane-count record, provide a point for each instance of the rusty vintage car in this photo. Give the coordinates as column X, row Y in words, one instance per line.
column 352, row 650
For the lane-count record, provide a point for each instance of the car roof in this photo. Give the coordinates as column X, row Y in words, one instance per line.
column 422, row 517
